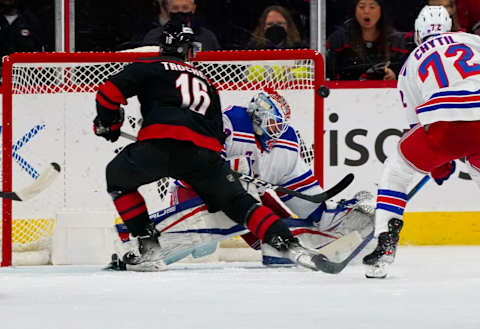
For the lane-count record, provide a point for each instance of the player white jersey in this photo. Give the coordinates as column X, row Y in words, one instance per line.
column 440, row 80
column 282, row 165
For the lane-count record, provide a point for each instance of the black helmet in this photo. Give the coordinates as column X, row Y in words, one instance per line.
column 176, row 40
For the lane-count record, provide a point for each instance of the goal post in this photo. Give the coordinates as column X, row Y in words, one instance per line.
column 48, row 109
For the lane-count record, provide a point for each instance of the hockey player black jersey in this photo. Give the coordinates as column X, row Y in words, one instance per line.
column 177, row 101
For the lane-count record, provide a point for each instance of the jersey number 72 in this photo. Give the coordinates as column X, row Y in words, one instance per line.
column 434, row 61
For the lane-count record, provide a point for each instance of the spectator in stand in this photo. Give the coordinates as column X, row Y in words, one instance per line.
column 451, row 7
column 183, row 11
column 161, row 17
column 275, row 30
column 20, row 30
column 366, row 47
column 468, row 12
column 404, row 13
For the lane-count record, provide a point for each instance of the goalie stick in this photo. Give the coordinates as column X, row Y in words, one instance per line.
column 316, row 198
column 41, row 183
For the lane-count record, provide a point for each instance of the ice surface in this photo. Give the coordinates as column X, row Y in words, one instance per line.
column 429, row 287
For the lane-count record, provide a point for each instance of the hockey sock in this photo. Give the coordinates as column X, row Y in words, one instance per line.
column 260, row 220
column 133, row 211
column 265, row 224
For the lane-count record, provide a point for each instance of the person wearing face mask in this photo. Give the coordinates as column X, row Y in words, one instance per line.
column 182, row 12
column 366, row 47
column 275, row 30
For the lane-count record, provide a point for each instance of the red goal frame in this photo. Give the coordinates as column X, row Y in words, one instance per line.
column 224, row 56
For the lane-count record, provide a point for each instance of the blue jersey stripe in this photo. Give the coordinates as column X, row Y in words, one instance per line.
column 392, row 193
column 448, row 106
column 390, row 208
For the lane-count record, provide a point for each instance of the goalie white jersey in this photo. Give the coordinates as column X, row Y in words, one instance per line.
column 440, row 80
column 282, row 165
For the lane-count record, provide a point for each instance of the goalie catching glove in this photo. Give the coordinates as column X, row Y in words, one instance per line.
column 109, row 128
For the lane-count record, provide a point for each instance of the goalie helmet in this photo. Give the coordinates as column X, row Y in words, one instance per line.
column 270, row 114
column 176, row 40
column 430, row 21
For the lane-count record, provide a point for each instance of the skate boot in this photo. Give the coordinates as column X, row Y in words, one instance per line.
column 384, row 253
column 149, row 258
column 273, row 258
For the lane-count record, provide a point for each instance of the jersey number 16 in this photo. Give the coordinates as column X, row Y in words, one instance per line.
column 194, row 93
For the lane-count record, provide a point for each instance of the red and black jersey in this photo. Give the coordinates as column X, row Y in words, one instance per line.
column 177, row 101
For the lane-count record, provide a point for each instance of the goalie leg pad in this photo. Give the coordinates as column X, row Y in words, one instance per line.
column 189, row 229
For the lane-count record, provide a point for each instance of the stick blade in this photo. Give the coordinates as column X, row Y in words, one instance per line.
column 334, row 257
column 44, row 180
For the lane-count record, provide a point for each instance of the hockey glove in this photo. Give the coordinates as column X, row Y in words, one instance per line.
column 109, row 131
column 443, row 172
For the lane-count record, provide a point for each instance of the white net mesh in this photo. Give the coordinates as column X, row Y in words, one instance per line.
column 52, row 113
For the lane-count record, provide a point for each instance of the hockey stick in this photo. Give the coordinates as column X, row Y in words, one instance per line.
column 41, row 183
column 418, row 186
column 316, row 198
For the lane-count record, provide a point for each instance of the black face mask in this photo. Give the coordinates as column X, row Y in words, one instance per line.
column 276, row 34
column 182, row 18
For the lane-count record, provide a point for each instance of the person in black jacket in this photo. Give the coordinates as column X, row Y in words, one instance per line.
column 366, row 47
column 183, row 11
column 275, row 30
column 181, row 137
column 20, row 30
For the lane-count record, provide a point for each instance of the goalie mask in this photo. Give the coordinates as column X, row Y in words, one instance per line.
column 270, row 114
column 176, row 40
column 430, row 21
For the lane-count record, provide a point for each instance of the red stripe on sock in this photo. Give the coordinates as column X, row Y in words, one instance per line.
column 128, row 201
column 260, row 221
column 134, row 212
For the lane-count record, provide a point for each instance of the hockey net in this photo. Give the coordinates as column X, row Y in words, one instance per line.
column 48, row 108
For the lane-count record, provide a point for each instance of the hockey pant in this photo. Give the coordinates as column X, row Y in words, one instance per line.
column 421, row 150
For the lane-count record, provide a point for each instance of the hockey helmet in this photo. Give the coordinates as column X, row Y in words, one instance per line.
column 430, row 21
column 270, row 114
column 176, row 40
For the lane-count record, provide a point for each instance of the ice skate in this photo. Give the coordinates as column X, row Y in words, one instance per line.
column 384, row 254
column 149, row 258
